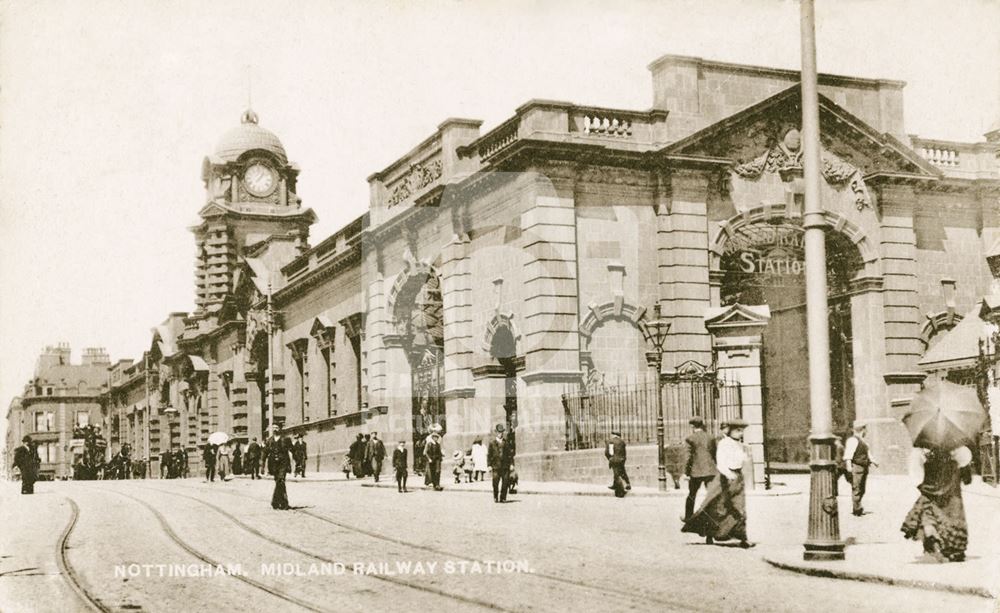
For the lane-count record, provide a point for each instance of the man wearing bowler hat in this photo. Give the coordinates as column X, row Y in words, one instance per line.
column 434, row 456
column 499, row 457
column 27, row 461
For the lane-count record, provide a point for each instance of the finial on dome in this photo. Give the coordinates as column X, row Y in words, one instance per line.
column 249, row 117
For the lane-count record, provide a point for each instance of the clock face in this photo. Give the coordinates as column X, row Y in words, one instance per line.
column 259, row 179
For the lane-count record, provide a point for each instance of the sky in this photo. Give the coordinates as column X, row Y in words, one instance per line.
column 108, row 107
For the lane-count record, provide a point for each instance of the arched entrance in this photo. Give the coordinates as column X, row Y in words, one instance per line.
column 762, row 263
column 417, row 311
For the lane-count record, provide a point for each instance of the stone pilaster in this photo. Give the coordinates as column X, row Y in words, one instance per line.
column 456, row 285
column 902, row 318
column 685, row 291
column 550, row 336
column 377, row 327
column 899, row 267
column 456, row 282
column 397, row 396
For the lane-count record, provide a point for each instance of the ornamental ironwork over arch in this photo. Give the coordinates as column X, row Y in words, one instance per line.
column 770, row 213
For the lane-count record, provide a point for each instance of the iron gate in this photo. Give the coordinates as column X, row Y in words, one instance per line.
column 629, row 406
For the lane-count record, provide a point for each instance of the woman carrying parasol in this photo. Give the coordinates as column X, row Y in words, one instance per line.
column 941, row 420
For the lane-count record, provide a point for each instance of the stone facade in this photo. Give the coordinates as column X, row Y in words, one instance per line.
column 60, row 396
column 495, row 272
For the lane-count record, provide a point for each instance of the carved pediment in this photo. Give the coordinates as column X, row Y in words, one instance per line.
column 299, row 348
column 737, row 315
column 354, row 325
column 764, row 138
column 323, row 331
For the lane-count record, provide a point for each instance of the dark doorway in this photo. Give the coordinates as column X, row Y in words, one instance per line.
column 419, row 318
column 764, row 264
column 504, row 349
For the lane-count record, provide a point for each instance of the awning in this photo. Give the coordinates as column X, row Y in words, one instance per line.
column 197, row 363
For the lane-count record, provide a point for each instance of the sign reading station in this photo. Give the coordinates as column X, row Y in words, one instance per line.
column 767, row 250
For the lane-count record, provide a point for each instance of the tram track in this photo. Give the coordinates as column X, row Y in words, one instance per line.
column 290, row 547
column 172, row 535
column 642, row 597
column 66, row 568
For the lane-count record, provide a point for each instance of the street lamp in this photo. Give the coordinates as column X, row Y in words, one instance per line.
column 823, row 542
column 655, row 332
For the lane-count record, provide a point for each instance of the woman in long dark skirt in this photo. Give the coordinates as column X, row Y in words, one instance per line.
column 722, row 515
column 938, row 516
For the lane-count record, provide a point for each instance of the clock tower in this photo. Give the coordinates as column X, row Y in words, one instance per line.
column 250, row 206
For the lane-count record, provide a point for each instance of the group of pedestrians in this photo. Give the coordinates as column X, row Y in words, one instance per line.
column 936, row 519
column 173, row 464
column 473, row 463
column 365, row 457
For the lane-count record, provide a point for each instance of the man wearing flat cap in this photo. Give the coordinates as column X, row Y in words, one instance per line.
column 499, row 457
column 614, row 451
column 700, row 467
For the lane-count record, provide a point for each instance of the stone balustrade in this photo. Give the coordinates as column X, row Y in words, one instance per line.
column 967, row 160
column 498, row 139
column 561, row 121
column 606, row 125
column 940, row 156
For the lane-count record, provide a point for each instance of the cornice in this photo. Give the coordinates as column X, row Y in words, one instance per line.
column 326, row 270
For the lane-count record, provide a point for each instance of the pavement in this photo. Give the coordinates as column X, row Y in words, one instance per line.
column 424, row 550
column 875, row 552
column 548, row 488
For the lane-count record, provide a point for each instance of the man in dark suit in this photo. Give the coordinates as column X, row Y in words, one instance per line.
column 27, row 461
column 614, row 451
column 165, row 459
column 700, row 467
column 278, row 456
column 357, row 455
column 299, row 454
column 434, row 455
column 399, row 465
column 208, row 456
column 377, row 452
column 252, row 459
column 499, row 457
column 858, row 459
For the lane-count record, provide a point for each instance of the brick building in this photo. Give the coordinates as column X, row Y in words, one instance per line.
column 495, row 273
column 59, row 397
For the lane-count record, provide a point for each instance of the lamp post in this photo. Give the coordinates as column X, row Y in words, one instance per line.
column 823, row 541
column 655, row 332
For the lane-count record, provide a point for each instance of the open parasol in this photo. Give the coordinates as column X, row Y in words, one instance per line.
column 944, row 416
column 218, row 438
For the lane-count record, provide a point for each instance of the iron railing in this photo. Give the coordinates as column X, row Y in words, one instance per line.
column 628, row 405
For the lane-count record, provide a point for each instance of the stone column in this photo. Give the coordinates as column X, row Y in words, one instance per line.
column 685, row 292
column 736, row 339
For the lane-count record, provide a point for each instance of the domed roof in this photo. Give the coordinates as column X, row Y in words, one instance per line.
column 246, row 137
